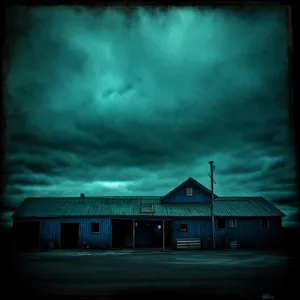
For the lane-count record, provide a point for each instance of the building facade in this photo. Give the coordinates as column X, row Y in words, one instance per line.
column 180, row 219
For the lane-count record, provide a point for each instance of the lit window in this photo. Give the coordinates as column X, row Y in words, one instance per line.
column 189, row 192
column 95, row 227
column 183, row 227
column 233, row 223
column 265, row 223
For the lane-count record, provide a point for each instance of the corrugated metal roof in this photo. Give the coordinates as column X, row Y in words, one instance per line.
column 130, row 206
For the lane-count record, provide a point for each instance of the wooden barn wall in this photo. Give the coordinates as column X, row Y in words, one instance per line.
column 197, row 228
column 249, row 232
column 180, row 195
column 50, row 231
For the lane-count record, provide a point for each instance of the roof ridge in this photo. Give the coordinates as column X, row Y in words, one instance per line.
column 252, row 197
column 243, row 196
column 78, row 197
column 151, row 197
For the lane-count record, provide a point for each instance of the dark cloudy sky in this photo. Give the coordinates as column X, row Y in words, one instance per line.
column 115, row 103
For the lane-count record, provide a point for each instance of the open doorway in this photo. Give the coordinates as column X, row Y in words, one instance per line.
column 168, row 233
column 122, row 233
column 69, row 235
column 148, row 234
column 27, row 235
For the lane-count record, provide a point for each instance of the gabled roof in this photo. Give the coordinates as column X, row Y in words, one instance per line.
column 195, row 182
column 130, row 206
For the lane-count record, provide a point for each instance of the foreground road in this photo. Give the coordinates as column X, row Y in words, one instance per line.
column 250, row 273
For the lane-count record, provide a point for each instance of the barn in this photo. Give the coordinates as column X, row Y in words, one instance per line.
column 180, row 219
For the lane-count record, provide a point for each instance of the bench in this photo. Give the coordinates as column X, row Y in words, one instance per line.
column 188, row 243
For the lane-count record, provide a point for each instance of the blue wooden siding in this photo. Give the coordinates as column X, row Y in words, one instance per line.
column 197, row 228
column 50, row 231
column 180, row 195
column 249, row 232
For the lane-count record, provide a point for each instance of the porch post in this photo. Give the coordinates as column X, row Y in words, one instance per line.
column 163, row 228
column 133, row 234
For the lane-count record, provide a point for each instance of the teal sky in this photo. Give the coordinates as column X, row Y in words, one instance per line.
column 115, row 103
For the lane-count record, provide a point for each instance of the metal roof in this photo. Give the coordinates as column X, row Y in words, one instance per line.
column 130, row 206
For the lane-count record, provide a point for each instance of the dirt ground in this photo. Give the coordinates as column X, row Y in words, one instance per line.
column 91, row 272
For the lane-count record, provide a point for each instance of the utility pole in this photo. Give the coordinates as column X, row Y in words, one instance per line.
column 211, row 175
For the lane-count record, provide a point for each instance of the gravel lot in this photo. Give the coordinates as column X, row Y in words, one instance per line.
column 90, row 272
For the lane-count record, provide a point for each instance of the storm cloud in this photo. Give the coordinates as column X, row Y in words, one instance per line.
column 108, row 102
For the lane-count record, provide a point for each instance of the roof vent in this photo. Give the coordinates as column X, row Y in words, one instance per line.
column 82, row 196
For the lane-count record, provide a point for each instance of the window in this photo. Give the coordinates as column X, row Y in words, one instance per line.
column 221, row 223
column 95, row 227
column 183, row 227
column 233, row 223
column 189, row 192
column 265, row 223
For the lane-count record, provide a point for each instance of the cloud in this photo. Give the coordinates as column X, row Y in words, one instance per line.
column 291, row 201
column 114, row 102
column 292, row 218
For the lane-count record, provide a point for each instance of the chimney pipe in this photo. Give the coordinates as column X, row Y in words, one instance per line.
column 82, row 196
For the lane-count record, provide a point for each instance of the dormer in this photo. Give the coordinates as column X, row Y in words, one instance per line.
column 190, row 191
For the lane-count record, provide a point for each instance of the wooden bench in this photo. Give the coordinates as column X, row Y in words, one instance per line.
column 188, row 243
